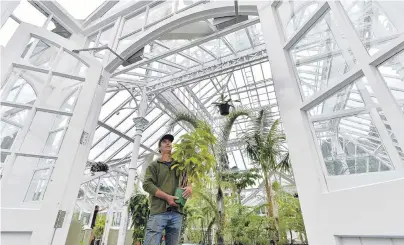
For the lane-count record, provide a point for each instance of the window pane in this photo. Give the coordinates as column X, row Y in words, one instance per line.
column 351, row 145
column 26, row 12
column 371, row 23
column 392, row 72
column 133, row 23
column 293, row 14
column 317, row 58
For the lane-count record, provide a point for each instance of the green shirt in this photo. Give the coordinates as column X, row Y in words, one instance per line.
column 160, row 176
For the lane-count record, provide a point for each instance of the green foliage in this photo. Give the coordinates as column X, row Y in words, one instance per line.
column 224, row 135
column 224, row 100
column 290, row 216
column 99, row 226
column 138, row 208
column 266, row 149
column 185, row 117
column 192, row 155
column 241, row 180
column 244, row 225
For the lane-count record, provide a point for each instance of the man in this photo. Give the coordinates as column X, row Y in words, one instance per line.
column 96, row 210
column 160, row 182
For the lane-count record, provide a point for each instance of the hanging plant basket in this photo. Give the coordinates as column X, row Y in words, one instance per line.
column 224, row 105
column 99, row 167
column 224, row 109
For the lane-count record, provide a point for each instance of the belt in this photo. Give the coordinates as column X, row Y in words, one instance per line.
column 172, row 209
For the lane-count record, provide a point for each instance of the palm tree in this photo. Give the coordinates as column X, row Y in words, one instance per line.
column 240, row 180
column 265, row 147
column 220, row 151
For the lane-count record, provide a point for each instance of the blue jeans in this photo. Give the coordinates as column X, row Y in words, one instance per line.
column 170, row 221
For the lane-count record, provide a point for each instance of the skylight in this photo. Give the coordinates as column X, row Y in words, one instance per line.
column 80, row 9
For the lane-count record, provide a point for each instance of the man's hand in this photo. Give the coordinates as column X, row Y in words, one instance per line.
column 171, row 200
column 187, row 192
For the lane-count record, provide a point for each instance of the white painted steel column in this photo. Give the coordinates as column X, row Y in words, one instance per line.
column 110, row 213
column 140, row 123
column 310, row 181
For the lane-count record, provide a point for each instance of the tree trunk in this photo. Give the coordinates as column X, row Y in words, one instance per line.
column 220, row 203
column 291, row 237
column 239, row 197
column 305, row 238
column 209, row 231
column 271, row 213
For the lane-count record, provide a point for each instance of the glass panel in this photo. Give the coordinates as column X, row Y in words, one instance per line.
column 181, row 60
column 239, row 40
column 113, row 103
column 160, row 11
column 14, row 119
column 43, row 54
column 199, row 54
column 133, row 23
column 163, row 67
column 184, row 3
column 13, row 114
column 217, row 47
column 126, row 42
column 63, row 88
column 8, row 134
column 125, row 151
column 256, row 34
column 7, row 31
column 53, row 125
column 91, row 40
column 111, row 150
column 347, row 98
column 293, row 14
column 351, row 145
column 100, row 147
column 393, row 74
column 317, row 58
column 82, row 11
column 317, row 75
column 69, row 64
column 104, row 39
column 57, row 28
column 21, row 92
column 40, row 178
column 26, row 12
column 54, row 141
column 38, row 185
column 371, row 23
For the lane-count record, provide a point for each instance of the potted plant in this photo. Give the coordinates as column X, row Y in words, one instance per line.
column 193, row 159
column 99, row 167
column 224, row 104
column 138, row 208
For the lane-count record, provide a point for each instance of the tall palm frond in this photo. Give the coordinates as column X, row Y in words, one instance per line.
column 211, row 204
column 262, row 122
column 284, row 165
column 225, row 131
column 184, row 117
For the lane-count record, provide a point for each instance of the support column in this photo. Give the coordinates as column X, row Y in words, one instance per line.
column 140, row 124
column 110, row 213
column 309, row 178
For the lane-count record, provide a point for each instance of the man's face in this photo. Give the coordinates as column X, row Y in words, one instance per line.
column 165, row 146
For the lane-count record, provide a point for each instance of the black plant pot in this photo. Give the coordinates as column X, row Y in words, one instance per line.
column 99, row 167
column 224, row 109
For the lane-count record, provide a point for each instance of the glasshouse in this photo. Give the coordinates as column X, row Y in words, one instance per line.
column 202, row 122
